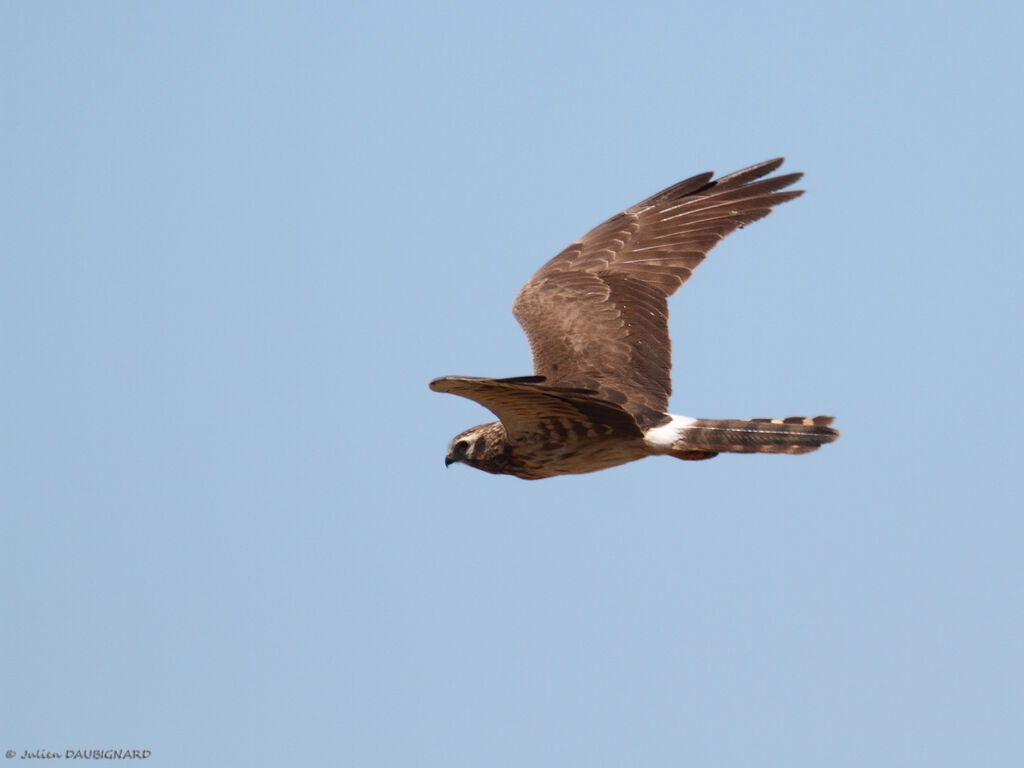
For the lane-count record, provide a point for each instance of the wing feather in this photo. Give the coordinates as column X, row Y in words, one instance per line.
column 526, row 407
column 596, row 315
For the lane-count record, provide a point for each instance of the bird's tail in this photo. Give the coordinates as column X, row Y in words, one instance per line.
column 705, row 438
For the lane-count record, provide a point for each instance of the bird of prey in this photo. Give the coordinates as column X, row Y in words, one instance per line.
column 596, row 316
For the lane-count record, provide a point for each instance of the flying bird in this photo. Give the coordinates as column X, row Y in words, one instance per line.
column 596, row 316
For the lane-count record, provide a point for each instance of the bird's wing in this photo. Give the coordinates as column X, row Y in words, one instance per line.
column 529, row 410
column 596, row 315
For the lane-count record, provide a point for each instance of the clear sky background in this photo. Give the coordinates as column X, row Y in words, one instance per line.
column 237, row 241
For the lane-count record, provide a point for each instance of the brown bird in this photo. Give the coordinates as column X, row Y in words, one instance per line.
column 596, row 317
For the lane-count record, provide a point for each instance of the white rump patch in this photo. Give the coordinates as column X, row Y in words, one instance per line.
column 664, row 437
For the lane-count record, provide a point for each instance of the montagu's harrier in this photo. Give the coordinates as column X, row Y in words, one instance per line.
column 596, row 316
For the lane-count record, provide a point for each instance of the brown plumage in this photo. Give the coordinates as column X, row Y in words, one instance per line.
column 596, row 317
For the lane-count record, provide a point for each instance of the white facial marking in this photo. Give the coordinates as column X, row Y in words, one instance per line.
column 664, row 437
column 471, row 441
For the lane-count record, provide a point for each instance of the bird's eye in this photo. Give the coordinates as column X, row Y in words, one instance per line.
column 461, row 447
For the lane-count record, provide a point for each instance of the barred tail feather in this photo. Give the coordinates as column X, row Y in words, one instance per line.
column 705, row 438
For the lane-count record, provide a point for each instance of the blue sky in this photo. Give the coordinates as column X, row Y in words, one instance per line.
column 236, row 242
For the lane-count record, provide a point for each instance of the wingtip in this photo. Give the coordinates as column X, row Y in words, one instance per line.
column 763, row 168
column 746, row 176
column 449, row 384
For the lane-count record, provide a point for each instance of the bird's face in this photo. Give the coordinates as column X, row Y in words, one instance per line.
column 465, row 445
column 473, row 446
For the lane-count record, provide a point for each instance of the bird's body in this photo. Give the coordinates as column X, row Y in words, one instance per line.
column 596, row 317
column 570, row 453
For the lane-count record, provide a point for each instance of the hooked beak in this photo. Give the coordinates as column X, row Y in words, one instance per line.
column 448, row 461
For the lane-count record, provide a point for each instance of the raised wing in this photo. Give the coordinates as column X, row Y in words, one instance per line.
column 531, row 411
column 596, row 315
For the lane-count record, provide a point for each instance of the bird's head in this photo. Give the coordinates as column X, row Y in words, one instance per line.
column 477, row 446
